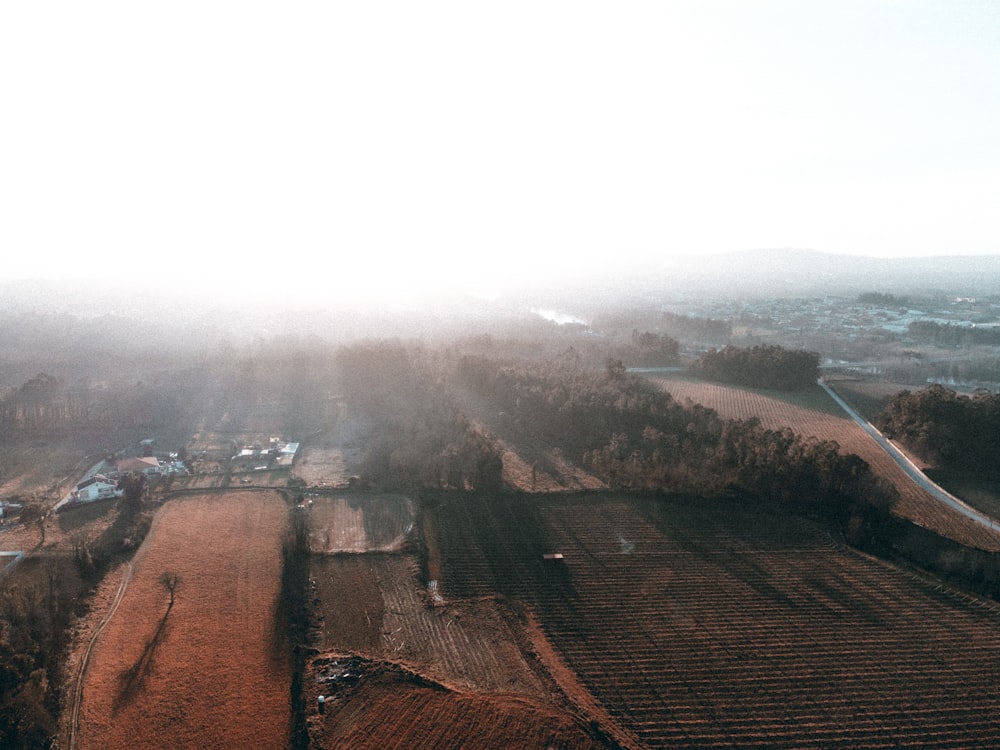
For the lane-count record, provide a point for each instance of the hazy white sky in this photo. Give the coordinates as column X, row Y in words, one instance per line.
column 429, row 141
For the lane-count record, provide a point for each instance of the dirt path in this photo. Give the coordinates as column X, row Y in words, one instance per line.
column 82, row 671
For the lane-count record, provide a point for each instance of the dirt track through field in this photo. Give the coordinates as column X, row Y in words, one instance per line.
column 209, row 671
column 82, row 671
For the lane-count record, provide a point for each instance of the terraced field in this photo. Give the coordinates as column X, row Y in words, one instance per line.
column 423, row 671
column 717, row 625
column 813, row 413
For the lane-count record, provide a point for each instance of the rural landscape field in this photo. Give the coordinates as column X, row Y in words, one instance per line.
column 648, row 530
column 472, row 376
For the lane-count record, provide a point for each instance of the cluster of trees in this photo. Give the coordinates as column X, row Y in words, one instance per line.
column 693, row 330
column 41, row 402
column 949, row 334
column 634, row 435
column 691, row 327
column 762, row 366
column 35, row 617
column 294, row 384
column 417, row 437
column 46, row 404
column 774, row 465
column 946, row 428
column 38, row 604
column 649, row 349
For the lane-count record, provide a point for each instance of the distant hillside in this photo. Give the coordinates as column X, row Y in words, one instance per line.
column 795, row 272
column 199, row 313
column 775, row 273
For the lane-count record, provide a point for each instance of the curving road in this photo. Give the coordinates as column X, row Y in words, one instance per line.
column 912, row 471
column 74, row 719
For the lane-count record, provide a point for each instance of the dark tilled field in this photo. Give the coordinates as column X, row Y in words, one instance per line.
column 716, row 625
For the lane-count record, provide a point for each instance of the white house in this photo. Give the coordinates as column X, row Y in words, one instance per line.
column 95, row 488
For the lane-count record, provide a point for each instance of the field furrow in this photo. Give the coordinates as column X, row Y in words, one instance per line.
column 715, row 624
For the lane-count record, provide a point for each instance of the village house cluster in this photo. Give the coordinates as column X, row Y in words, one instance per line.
column 278, row 454
column 102, row 481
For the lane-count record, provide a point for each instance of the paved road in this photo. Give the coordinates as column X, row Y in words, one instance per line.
column 909, row 467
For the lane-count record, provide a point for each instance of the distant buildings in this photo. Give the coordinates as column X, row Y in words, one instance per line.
column 277, row 454
column 148, row 465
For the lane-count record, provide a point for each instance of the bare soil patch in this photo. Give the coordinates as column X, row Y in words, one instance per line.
column 359, row 523
column 321, row 466
column 383, row 705
column 350, row 611
column 208, row 671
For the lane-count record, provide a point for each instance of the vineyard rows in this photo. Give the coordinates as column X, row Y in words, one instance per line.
column 724, row 626
column 813, row 414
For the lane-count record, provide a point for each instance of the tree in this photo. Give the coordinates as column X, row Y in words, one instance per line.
column 615, row 368
column 171, row 581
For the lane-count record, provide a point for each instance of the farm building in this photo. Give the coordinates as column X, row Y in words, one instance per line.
column 286, row 454
column 96, row 487
column 278, row 454
column 142, row 465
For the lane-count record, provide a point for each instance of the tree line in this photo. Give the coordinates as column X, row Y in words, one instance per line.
column 946, row 428
column 649, row 349
column 45, row 403
column 417, row 438
column 762, row 366
column 949, row 334
column 627, row 431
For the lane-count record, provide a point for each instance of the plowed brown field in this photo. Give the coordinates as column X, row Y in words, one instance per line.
column 321, row 465
column 421, row 671
column 209, row 673
column 359, row 523
column 376, row 603
column 712, row 624
column 813, row 413
column 389, row 708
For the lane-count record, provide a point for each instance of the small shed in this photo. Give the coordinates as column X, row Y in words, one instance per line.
column 552, row 556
